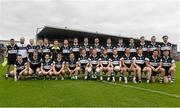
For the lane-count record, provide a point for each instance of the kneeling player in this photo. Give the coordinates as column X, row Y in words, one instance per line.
column 106, row 67
column 83, row 59
column 20, row 68
column 46, row 67
column 58, row 67
column 128, row 66
column 141, row 65
column 95, row 64
column 73, row 66
column 34, row 64
column 116, row 63
column 156, row 66
column 169, row 67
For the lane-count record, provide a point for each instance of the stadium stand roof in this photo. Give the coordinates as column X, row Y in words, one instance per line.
column 61, row 33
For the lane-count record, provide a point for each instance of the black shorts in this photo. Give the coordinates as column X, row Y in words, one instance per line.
column 141, row 66
column 57, row 69
column 110, row 54
column 105, row 65
column 94, row 68
column 166, row 70
column 11, row 60
column 128, row 65
column 154, row 73
column 46, row 70
column 34, row 67
column 25, row 59
column 83, row 66
column 18, row 72
column 65, row 56
column 120, row 53
column 72, row 68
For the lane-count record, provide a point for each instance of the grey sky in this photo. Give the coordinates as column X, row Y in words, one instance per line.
column 126, row 17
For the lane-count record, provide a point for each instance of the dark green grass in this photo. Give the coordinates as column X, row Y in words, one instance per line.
column 83, row 93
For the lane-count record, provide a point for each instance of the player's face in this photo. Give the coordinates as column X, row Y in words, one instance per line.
column 94, row 52
column 12, row 42
column 155, row 53
column 115, row 52
column 35, row 54
column 120, row 41
column 19, row 58
column 142, row 39
column 96, row 40
column 83, row 51
column 166, row 53
column 131, row 40
column 140, row 51
column 65, row 42
column 108, row 41
column 127, row 51
column 31, row 41
column 165, row 39
column 71, row 56
column 46, row 56
column 59, row 56
column 86, row 40
column 56, row 43
column 75, row 40
column 22, row 40
column 40, row 42
column 105, row 52
column 153, row 39
column 45, row 41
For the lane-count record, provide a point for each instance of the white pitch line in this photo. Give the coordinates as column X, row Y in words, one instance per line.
column 144, row 89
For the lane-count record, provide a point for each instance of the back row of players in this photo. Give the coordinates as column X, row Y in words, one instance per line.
column 94, row 60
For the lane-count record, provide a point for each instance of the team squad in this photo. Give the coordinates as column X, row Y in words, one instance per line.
column 131, row 62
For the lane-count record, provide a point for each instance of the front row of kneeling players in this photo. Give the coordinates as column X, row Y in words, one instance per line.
column 95, row 66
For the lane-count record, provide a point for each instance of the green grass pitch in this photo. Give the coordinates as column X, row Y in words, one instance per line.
column 81, row 93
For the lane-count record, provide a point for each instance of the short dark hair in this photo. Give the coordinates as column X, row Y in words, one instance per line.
column 165, row 36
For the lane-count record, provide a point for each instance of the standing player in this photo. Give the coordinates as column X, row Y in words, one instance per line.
column 11, row 53
column 128, row 66
column 65, row 49
column 165, row 45
column 55, row 49
column 73, row 66
column 86, row 45
column 153, row 46
column 22, row 49
column 39, row 47
column 46, row 48
column 75, row 48
column 169, row 66
column 120, row 47
column 156, row 66
column 109, row 47
column 141, row 65
column 20, row 68
column 97, row 46
column 31, row 47
column 34, row 64
column 132, row 47
column 143, row 45
column 58, row 67
column 46, row 67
